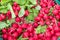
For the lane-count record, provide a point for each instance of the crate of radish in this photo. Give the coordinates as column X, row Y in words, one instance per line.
column 29, row 20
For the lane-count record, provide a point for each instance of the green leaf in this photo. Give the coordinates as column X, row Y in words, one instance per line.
column 30, row 17
column 41, row 29
column 21, row 2
column 21, row 12
column 38, row 7
column 51, row 9
column 4, row 2
column 3, row 9
column 33, row 2
column 29, row 8
column 3, row 25
column 35, row 12
column 29, row 5
column 12, row 12
column 20, row 38
column 9, row 22
column 38, row 29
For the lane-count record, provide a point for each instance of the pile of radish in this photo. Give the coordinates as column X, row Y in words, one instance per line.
column 29, row 20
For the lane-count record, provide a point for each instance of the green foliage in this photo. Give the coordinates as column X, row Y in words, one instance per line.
column 3, row 5
column 22, row 12
column 38, row 7
column 9, row 22
column 51, row 9
column 4, row 2
column 33, row 1
column 6, row 5
column 21, row 2
column 3, row 25
column 3, row 9
column 12, row 12
column 32, row 15
column 6, row 23
column 41, row 29
column 20, row 38
column 24, row 2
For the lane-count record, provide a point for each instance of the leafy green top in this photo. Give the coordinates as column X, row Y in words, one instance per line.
column 6, row 5
column 41, row 29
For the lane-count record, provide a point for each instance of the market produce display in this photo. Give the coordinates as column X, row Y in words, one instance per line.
column 29, row 20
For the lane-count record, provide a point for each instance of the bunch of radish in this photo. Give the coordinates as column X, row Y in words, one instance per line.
column 30, row 20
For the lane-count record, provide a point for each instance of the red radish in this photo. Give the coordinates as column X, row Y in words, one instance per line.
column 15, row 34
column 4, row 30
column 26, row 12
column 19, row 30
column 15, row 25
column 4, row 36
column 18, row 19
